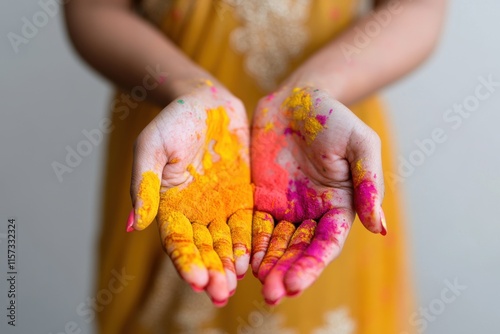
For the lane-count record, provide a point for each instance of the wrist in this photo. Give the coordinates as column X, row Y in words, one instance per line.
column 305, row 77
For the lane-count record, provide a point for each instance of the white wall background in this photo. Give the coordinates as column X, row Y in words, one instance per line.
column 47, row 97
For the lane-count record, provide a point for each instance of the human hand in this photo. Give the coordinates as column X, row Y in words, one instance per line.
column 191, row 168
column 314, row 164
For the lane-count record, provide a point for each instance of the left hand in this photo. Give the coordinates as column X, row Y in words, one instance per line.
column 314, row 164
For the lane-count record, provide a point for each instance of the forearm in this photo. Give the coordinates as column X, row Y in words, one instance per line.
column 351, row 70
column 122, row 46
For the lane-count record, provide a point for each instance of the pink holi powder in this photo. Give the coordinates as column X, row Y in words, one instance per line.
column 275, row 192
column 331, row 231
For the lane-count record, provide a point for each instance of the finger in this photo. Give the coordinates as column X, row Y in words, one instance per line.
column 148, row 165
column 328, row 240
column 262, row 228
column 223, row 246
column 274, row 288
column 217, row 283
column 279, row 242
column 240, row 224
column 368, row 180
column 178, row 241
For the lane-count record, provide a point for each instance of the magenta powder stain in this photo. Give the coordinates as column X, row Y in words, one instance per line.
column 329, row 237
column 364, row 198
column 321, row 119
column 290, row 131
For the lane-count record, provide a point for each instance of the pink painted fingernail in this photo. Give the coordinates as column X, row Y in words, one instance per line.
column 219, row 302
column 292, row 293
column 232, row 292
column 271, row 302
column 130, row 221
column 196, row 288
column 384, row 223
column 240, row 276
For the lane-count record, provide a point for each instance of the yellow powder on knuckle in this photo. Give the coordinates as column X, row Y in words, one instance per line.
column 148, row 197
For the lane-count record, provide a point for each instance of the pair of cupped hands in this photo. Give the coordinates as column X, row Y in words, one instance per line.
column 280, row 195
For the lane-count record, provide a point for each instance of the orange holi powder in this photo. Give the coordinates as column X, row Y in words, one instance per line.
column 224, row 185
column 220, row 188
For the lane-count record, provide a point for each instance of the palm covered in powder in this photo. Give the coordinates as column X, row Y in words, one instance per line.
column 314, row 165
column 191, row 167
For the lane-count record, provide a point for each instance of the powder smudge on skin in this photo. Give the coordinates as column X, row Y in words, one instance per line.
column 148, row 197
column 221, row 235
column 178, row 241
column 203, row 241
column 263, row 225
column 365, row 193
column 240, row 224
column 302, row 114
column 279, row 242
column 329, row 237
column 277, row 192
column 298, row 244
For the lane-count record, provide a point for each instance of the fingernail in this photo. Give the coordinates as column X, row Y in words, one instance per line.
column 271, row 302
column 384, row 223
column 196, row 288
column 241, row 276
column 219, row 302
column 292, row 293
column 232, row 292
column 130, row 221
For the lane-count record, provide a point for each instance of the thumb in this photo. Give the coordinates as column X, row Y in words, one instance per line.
column 149, row 161
column 365, row 160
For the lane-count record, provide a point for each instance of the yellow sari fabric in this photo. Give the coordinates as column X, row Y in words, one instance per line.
column 366, row 290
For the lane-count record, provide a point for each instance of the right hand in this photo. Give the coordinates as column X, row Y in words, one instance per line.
column 191, row 168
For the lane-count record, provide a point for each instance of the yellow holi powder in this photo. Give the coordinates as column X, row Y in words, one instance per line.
column 359, row 173
column 240, row 224
column 302, row 114
column 178, row 240
column 221, row 235
column 148, row 196
column 263, row 225
column 203, row 240
column 269, row 126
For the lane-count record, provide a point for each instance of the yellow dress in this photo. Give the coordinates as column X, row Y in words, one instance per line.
column 249, row 46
